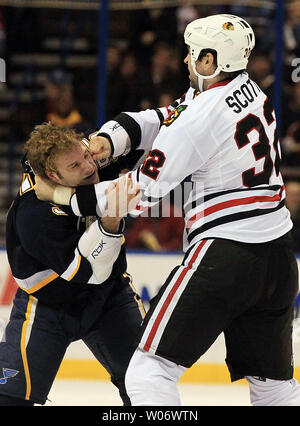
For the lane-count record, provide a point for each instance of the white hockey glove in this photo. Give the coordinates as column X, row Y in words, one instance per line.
column 101, row 249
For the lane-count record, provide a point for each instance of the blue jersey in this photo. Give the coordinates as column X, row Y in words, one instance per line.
column 42, row 247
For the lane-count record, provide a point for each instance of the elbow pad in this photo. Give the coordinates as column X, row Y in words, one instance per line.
column 101, row 249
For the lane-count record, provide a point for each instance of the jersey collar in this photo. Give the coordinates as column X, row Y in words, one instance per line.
column 220, row 83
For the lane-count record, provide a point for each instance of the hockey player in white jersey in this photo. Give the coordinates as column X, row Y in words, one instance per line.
column 239, row 274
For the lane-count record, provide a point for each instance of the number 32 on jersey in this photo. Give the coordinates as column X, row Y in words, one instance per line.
column 261, row 149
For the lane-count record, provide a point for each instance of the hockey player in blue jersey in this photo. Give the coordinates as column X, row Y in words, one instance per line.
column 71, row 274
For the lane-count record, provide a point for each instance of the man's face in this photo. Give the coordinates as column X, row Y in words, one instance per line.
column 192, row 76
column 204, row 67
column 75, row 168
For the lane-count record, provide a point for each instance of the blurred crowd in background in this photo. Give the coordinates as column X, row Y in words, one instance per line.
column 145, row 69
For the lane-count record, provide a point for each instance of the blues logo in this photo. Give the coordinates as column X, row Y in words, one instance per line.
column 7, row 374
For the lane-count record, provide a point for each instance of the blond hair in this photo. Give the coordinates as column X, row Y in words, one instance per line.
column 46, row 142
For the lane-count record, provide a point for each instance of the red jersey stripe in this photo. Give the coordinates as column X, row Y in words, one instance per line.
column 170, row 296
column 233, row 203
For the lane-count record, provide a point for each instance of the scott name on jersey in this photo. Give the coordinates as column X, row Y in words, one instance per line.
column 241, row 97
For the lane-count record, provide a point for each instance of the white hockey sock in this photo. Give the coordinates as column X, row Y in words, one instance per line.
column 274, row 392
column 151, row 380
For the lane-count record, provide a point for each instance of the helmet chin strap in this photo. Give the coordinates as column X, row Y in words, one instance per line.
column 201, row 77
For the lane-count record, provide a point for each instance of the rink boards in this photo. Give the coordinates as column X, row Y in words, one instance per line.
column 149, row 271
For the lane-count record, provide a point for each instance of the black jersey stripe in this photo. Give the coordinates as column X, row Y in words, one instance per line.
column 132, row 128
column 261, row 188
column 160, row 116
column 87, row 200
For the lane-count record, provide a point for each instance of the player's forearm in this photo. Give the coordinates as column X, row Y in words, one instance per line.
column 129, row 131
column 113, row 199
column 89, row 200
column 133, row 130
column 47, row 190
column 111, row 224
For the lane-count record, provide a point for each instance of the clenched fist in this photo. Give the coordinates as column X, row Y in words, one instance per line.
column 46, row 190
column 100, row 148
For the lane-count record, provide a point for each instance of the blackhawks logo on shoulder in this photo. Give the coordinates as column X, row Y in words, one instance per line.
column 174, row 114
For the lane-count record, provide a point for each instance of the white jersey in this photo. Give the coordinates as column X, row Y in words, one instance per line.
column 224, row 142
